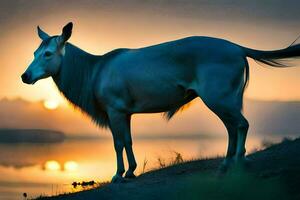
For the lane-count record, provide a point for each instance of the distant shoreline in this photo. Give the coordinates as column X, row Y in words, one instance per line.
column 52, row 136
column 151, row 137
column 30, row 136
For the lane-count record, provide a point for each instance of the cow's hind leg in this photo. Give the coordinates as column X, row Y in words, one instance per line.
column 242, row 128
column 237, row 127
column 221, row 89
column 231, row 148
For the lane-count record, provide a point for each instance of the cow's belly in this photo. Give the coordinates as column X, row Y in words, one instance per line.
column 159, row 97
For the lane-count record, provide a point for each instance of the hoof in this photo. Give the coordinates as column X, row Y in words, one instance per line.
column 129, row 174
column 243, row 162
column 117, row 179
column 225, row 166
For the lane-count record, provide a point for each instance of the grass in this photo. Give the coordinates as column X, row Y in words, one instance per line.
column 144, row 165
column 233, row 186
column 174, row 161
column 178, row 158
column 161, row 163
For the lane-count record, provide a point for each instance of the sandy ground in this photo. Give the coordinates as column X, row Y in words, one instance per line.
column 273, row 173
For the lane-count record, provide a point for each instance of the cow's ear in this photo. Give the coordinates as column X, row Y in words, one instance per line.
column 66, row 33
column 42, row 34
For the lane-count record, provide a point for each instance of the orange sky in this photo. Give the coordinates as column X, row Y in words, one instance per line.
column 98, row 29
column 101, row 26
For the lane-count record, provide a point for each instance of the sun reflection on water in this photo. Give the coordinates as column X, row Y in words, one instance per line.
column 70, row 166
column 52, row 165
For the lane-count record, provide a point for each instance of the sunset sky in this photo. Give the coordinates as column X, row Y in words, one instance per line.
column 101, row 26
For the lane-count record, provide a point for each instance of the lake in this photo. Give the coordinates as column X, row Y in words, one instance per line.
column 49, row 169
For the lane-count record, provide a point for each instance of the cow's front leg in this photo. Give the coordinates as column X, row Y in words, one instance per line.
column 129, row 151
column 117, row 124
column 120, row 127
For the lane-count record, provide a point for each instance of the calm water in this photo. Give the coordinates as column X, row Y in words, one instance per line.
column 50, row 169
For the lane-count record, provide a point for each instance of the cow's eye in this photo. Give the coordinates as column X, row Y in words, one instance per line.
column 48, row 54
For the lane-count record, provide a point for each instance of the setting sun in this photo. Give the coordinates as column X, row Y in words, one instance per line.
column 51, row 104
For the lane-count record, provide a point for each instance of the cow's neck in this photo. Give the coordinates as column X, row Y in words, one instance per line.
column 75, row 80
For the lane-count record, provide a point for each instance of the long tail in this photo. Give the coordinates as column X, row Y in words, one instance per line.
column 275, row 58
